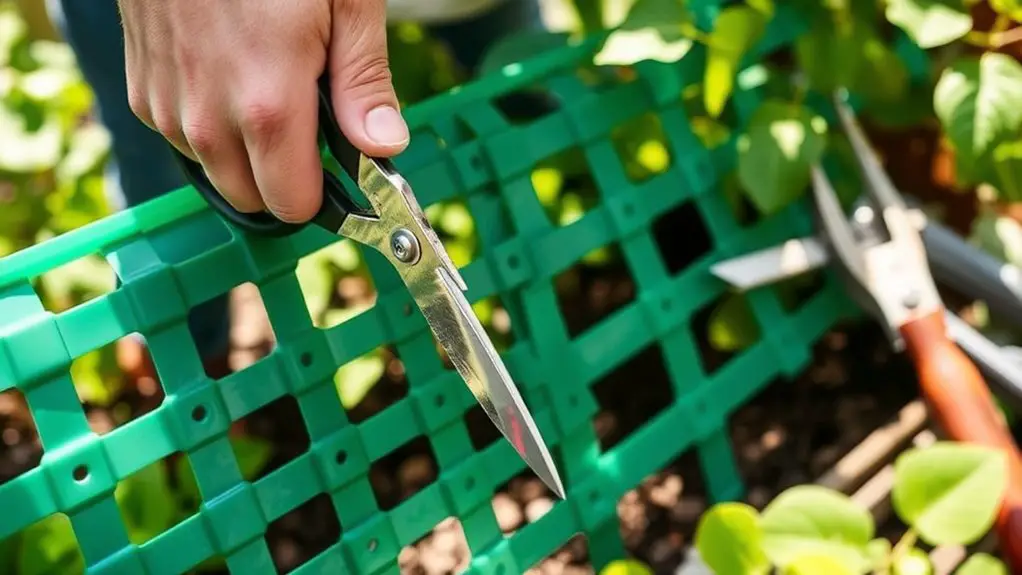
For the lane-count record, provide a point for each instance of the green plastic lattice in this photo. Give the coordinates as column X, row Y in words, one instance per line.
column 173, row 253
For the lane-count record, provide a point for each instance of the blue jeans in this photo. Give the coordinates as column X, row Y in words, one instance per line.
column 142, row 167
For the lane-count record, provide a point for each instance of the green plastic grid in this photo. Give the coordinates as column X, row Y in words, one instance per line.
column 173, row 253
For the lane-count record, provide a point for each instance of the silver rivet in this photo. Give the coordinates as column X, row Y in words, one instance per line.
column 912, row 298
column 405, row 246
column 863, row 215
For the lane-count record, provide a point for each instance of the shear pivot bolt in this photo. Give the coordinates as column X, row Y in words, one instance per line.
column 405, row 246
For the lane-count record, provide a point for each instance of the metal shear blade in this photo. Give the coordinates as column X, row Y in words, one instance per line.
column 880, row 251
column 397, row 228
column 403, row 235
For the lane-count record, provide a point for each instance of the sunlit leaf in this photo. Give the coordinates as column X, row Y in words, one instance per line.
column 626, row 47
column 252, row 453
column 930, row 23
column 729, row 540
column 949, row 492
column 547, row 182
column 457, row 221
column 146, row 503
column 13, row 31
column 817, row 564
column 775, row 153
column 809, row 519
column 735, row 31
column 36, row 151
column 1009, row 8
column 913, row 562
column 49, row 547
column 979, row 103
column 626, row 567
column 357, row 377
column 982, row 564
column 732, row 324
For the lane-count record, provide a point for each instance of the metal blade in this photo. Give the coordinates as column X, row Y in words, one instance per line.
column 458, row 330
column 763, row 267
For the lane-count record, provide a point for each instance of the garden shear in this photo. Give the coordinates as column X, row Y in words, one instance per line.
column 880, row 257
column 396, row 227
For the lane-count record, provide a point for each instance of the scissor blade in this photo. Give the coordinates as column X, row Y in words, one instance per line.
column 771, row 265
column 460, row 333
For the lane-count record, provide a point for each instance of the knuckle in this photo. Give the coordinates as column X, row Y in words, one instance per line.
column 138, row 104
column 200, row 136
column 371, row 71
column 166, row 123
column 264, row 117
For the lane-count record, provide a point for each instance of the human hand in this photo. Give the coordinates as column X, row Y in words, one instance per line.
column 232, row 84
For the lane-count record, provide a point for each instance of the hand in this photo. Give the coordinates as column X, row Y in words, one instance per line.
column 232, row 85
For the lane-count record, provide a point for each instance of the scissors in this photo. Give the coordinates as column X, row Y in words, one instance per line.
column 880, row 258
column 396, row 227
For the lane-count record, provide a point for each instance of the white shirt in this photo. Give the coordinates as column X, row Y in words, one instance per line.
column 436, row 11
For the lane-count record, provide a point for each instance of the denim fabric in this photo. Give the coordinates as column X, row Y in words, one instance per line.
column 143, row 167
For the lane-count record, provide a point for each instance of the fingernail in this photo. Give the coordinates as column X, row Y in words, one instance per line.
column 386, row 127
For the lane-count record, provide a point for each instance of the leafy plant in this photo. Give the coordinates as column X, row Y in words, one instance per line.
column 948, row 494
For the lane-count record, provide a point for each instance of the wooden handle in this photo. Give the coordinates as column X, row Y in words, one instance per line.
column 962, row 405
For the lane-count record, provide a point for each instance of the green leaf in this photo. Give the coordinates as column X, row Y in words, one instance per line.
column 949, row 492
column 809, row 519
column 999, row 236
column 930, row 23
column 914, row 562
column 1007, row 166
column 357, row 377
column 146, row 503
column 13, row 31
column 781, row 143
column 521, row 46
column 815, row 564
column 979, row 103
column 652, row 30
column 626, row 567
column 982, row 564
column 851, row 55
column 878, row 550
column 671, row 19
column 1009, row 8
column 626, row 47
column 735, row 31
column 49, row 547
column 729, row 540
column 732, row 325
column 37, row 150
column 252, row 453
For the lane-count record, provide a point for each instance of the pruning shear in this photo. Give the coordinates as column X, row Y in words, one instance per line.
column 881, row 259
column 396, row 227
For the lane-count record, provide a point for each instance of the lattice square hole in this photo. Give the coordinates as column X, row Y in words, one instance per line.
column 269, row 438
column 117, row 383
column 565, row 187
column 303, row 533
column 443, row 550
column 682, row 237
column 20, row 451
column 594, row 288
column 157, row 497
column 623, row 410
column 641, row 144
column 722, row 329
column 402, row 473
column 371, row 383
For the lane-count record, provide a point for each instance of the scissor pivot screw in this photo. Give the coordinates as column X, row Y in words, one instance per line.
column 405, row 246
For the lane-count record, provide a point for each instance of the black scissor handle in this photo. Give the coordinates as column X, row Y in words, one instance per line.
column 337, row 204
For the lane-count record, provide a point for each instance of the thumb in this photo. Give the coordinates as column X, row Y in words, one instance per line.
column 363, row 95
